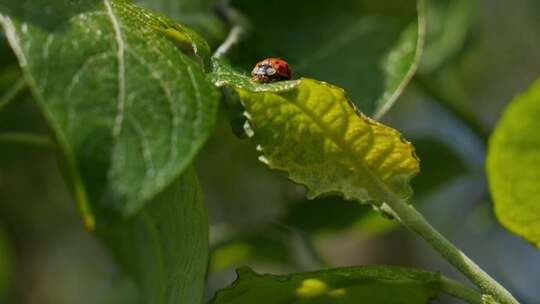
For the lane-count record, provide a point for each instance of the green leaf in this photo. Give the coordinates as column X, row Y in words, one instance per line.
column 513, row 166
column 7, row 64
column 185, row 38
column 128, row 110
column 312, row 130
column 447, row 28
column 165, row 245
column 369, row 48
column 198, row 14
column 368, row 284
column 180, row 7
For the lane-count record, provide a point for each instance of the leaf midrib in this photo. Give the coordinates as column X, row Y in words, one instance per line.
column 121, row 45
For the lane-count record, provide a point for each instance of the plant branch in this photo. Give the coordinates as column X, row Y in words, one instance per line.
column 13, row 92
column 414, row 221
column 232, row 39
column 27, row 139
column 239, row 30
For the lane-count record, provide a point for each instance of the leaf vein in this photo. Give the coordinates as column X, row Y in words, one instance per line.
column 117, row 129
column 169, row 98
column 340, row 142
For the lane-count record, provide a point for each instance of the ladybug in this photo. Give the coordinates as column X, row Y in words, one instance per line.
column 270, row 70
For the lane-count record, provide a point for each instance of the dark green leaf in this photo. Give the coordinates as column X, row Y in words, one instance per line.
column 369, row 284
column 179, row 7
column 6, row 265
column 7, row 58
column 165, row 245
column 369, row 48
column 198, row 14
column 9, row 71
column 513, row 166
column 128, row 109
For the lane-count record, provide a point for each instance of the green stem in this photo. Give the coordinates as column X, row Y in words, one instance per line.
column 27, row 139
column 13, row 92
column 460, row 291
column 415, row 222
column 239, row 30
column 232, row 39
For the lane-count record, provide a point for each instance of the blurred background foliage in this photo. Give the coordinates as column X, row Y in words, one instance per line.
column 478, row 56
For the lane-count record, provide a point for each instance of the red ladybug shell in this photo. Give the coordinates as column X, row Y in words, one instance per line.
column 270, row 70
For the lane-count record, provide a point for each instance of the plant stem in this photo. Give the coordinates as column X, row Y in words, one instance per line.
column 414, row 221
column 459, row 291
column 240, row 28
column 233, row 38
column 27, row 139
column 13, row 92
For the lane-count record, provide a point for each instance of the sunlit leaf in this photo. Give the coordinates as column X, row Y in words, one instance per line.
column 513, row 166
column 311, row 130
column 127, row 108
column 333, row 213
column 370, row 284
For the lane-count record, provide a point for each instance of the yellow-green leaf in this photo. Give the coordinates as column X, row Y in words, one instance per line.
column 513, row 166
column 313, row 131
